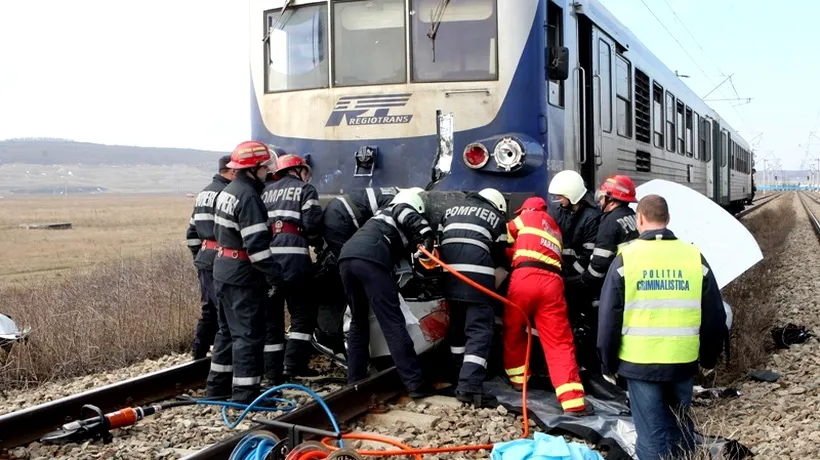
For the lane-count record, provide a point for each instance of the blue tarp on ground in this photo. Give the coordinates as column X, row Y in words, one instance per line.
column 543, row 447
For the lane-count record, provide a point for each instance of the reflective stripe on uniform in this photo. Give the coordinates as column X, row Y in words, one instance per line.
column 284, row 213
column 537, row 256
column 251, row 229
column 272, row 348
column 309, row 204
column 541, row 233
column 371, row 198
column 515, row 370
column 519, row 379
column 472, row 268
column 465, row 241
column 569, row 252
column 349, row 210
column 568, row 387
column 605, row 253
column 299, row 336
column 458, row 350
column 475, row 360
column 226, row 223
column 578, row 268
column 246, row 381
column 469, row 227
column 594, row 272
column 194, row 242
column 392, row 222
column 203, row 217
column 682, row 304
column 221, row 367
column 572, row 403
column 403, row 215
column 261, row 255
column 588, row 245
column 290, row 250
column 191, row 222
column 661, row 331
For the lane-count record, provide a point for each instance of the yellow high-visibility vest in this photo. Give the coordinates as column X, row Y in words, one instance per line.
column 663, row 282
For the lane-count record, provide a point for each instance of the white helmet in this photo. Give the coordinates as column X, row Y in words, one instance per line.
column 568, row 184
column 410, row 196
column 496, row 198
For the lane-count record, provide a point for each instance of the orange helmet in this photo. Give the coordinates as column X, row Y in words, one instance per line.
column 249, row 154
column 619, row 188
column 289, row 161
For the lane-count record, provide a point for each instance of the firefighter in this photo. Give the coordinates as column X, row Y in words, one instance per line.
column 661, row 315
column 473, row 240
column 243, row 268
column 295, row 217
column 342, row 217
column 617, row 226
column 201, row 242
column 366, row 267
column 537, row 288
column 577, row 215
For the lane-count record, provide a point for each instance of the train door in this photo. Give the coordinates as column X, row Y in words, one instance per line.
column 725, row 185
column 705, row 132
column 716, row 156
column 603, row 62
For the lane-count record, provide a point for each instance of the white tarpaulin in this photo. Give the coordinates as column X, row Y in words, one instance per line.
column 725, row 243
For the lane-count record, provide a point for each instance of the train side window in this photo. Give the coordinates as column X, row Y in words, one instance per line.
column 555, row 38
column 689, row 132
column 466, row 40
column 724, row 148
column 657, row 114
column 670, row 122
column 623, row 89
column 605, row 71
column 681, row 129
column 296, row 49
column 706, row 140
column 695, row 135
column 369, row 43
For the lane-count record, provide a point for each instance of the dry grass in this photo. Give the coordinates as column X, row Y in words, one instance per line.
column 118, row 288
column 750, row 294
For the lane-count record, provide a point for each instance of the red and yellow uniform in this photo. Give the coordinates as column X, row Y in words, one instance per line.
column 537, row 287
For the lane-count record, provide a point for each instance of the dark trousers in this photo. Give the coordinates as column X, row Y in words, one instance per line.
column 274, row 350
column 660, row 411
column 302, row 308
column 475, row 321
column 206, row 326
column 370, row 285
column 331, row 299
column 237, row 359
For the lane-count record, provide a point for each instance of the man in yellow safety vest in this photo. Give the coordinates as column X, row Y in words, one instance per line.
column 661, row 314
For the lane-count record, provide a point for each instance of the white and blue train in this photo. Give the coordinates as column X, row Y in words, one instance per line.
column 466, row 94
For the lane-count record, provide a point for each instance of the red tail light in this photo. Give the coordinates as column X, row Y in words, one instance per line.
column 476, row 155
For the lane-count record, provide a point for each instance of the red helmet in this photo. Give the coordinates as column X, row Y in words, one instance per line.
column 619, row 188
column 249, row 154
column 288, row 161
column 532, row 203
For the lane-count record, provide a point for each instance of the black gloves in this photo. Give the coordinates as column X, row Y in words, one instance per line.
column 429, row 242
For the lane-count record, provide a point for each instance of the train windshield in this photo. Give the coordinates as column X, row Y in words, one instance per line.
column 297, row 56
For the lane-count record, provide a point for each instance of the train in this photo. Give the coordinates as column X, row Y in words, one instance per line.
column 428, row 93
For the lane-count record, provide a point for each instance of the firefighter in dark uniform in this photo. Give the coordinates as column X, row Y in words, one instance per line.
column 578, row 216
column 295, row 217
column 473, row 241
column 617, row 226
column 243, row 268
column 201, row 242
column 343, row 216
column 366, row 266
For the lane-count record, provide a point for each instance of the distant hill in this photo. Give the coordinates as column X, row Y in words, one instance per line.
column 61, row 151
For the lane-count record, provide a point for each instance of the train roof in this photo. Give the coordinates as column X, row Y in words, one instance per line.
column 605, row 20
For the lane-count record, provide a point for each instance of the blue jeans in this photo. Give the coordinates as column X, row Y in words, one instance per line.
column 660, row 411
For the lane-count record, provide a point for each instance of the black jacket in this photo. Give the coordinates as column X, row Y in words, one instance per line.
column 473, row 239
column 388, row 236
column 616, row 227
column 292, row 201
column 579, row 230
column 347, row 213
column 201, row 226
column 241, row 222
column 713, row 330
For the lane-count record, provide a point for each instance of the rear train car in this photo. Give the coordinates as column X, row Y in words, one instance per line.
column 429, row 93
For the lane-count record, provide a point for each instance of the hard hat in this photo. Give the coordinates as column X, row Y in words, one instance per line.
column 532, row 203
column 568, row 184
column 249, row 154
column 411, row 189
column 495, row 197
column 619, row 188
column 289, row 161
column 411, row 197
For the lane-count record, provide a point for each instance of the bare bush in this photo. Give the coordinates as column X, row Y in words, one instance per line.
column 750, row 295
column 120, row 312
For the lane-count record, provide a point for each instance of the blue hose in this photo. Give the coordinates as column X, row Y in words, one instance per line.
column 254, row 447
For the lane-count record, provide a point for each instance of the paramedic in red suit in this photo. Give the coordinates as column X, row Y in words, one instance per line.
column 537, row 287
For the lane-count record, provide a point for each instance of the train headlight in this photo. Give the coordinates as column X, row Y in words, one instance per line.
column 476, row 155
column 509, row 154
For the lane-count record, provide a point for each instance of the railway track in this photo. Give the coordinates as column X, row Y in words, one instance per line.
column 805, row 199
column 757, row 204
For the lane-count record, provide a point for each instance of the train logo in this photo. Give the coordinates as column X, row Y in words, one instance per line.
column 369, row 110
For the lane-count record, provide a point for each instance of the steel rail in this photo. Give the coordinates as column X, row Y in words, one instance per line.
column 24, row 426
column 757, row 205
column 346, row 404
column 812, row 217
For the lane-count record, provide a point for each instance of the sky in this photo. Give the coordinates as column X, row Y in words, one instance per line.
column 174, row 73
